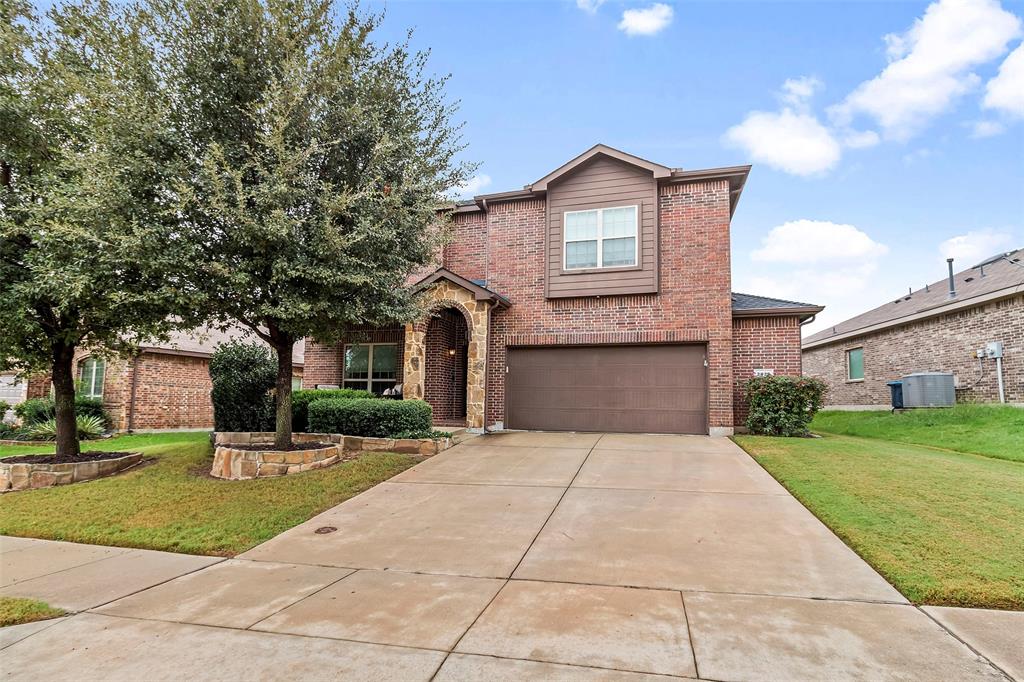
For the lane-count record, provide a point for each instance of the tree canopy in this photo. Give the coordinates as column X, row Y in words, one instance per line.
column 313, row 161
column 85, row 254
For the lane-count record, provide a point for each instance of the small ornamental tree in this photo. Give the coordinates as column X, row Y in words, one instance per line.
column 313, row 161
column 83, row 243
column 782, row 405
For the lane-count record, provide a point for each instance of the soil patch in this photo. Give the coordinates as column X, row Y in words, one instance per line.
column 91, row 456
column 270, row 447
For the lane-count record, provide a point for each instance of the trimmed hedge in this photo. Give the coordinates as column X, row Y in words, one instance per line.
column 243, row 376
column 302, row 399
column 783, row 405
column 39, row 410
column 371, row 418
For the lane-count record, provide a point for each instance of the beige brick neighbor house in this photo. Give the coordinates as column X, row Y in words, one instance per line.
column 165, row 387
column 954, row 325
column 597, row 298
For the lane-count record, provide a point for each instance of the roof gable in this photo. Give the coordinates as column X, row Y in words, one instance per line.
column 480, row 292
column 656, row 169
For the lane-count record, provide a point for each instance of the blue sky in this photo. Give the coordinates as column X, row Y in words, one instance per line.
column 885, row 136
column 896, row 142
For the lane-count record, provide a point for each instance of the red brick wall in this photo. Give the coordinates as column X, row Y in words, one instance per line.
column 945, row 343
column 445, row 380
column 693, row 303
column 468, row 245
column 324, row 364
column 171, row 392
column 762, row 343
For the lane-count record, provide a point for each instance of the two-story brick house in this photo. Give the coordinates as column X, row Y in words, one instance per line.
column 596, row 299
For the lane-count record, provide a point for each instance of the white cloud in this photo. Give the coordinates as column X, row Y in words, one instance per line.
column 589, row 6
column 817, row 241
column 976, row 245
column 860, row 139
column 1006, row 91
column 930, row 65
column 473, row 185
column 789, row 140
column 797, row 92
column 981, row 129
column 646, row 22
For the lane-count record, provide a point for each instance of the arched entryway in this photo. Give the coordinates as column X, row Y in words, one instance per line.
column 447, row 355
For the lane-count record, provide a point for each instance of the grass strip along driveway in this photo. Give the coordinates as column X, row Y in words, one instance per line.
column 18, row 611
column 171, row 504
column 943, row 527
column 990, row 430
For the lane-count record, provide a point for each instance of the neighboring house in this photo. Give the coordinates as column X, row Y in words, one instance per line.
column 165, row 387
column 596, row 299
column 930, row 330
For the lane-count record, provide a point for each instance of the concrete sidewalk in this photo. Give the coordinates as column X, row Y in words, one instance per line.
column 517, row 556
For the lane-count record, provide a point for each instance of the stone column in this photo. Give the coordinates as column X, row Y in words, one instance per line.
column 413, row 368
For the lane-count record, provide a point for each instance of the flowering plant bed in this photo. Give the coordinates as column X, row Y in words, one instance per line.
column 24, row 472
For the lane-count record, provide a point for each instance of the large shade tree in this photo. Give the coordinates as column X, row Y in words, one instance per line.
column 84, row 253
column 314, row 159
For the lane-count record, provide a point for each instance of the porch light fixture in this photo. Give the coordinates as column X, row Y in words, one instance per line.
column 451, row 351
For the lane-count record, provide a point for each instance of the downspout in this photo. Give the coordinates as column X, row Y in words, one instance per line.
column 487, row 358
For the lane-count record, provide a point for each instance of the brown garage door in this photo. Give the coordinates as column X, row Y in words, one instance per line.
column 639, row 389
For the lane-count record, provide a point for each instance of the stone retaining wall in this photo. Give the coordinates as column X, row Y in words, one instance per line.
column 25, row 475
column 237, row 464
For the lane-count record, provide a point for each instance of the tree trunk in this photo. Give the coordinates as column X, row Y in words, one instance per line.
column 63, row 374
column 283, row 344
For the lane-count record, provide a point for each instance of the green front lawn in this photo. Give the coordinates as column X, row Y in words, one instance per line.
column 16, row 610
column 943, row 527
column 133, row 442
column 994, row 431
column 172, row 504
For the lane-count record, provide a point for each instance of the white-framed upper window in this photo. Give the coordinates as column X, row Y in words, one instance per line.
column 601, row 238
column 371, row 366
column 90, row 377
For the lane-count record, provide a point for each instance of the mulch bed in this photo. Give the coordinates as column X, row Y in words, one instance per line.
column 270, row 447
column 91, row 456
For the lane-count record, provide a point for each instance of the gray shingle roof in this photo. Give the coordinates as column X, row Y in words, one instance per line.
column 1001, row 274
column 752, row 302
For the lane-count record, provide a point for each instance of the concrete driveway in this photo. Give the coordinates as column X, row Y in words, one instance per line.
column 529, row 556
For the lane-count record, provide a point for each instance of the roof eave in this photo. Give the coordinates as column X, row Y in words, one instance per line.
column 934, row 311
column 803, row 312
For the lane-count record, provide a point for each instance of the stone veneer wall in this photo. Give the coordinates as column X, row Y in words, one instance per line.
column 945, row 343
column 442, row 295
column 238, row 464
column 25, row 475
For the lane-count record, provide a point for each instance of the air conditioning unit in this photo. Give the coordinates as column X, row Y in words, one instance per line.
column 929, row 389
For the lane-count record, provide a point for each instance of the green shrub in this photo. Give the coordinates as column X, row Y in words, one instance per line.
column 4, row 406
column 38, row 410
column 243, row 376
column 302, row 399
column 375, row 418
column 782, row 405
column 89, row 427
